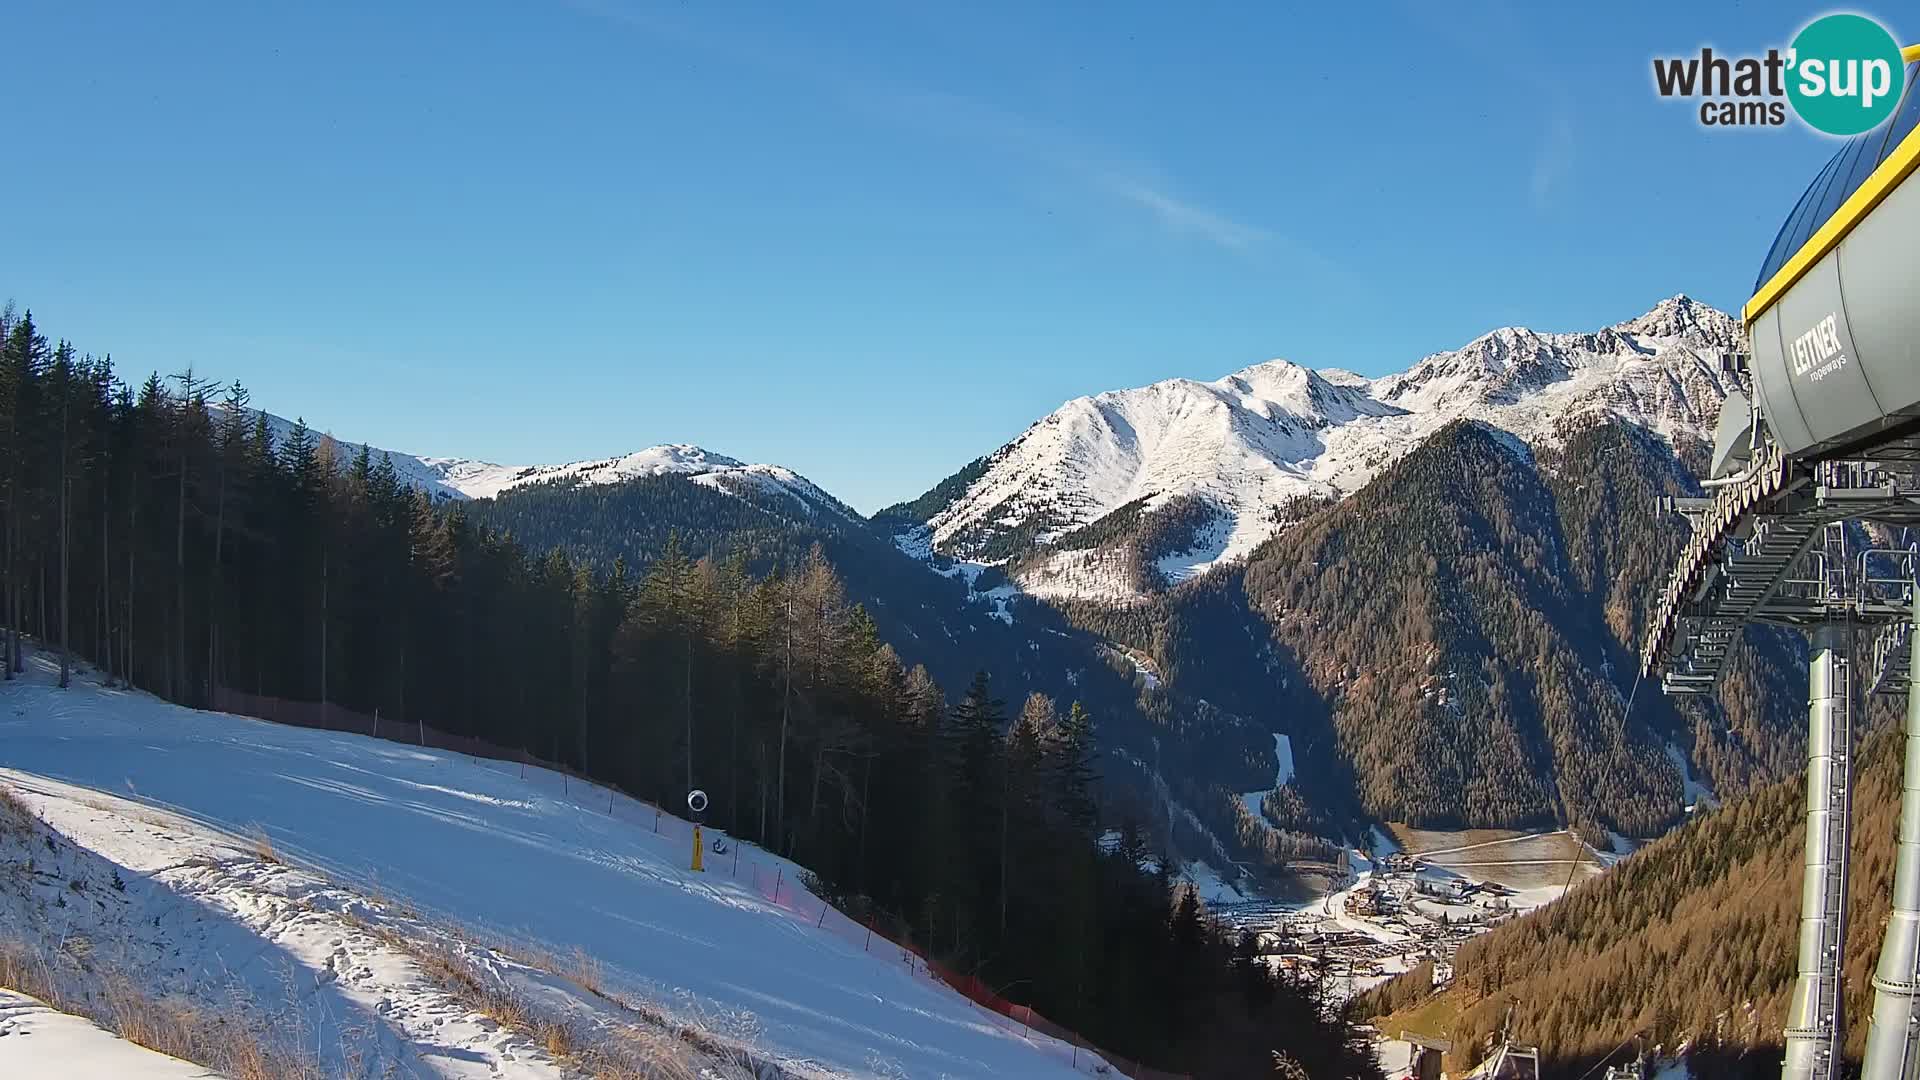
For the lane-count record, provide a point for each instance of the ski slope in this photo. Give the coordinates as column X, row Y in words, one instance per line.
column 537, row 860
column 1283, row 772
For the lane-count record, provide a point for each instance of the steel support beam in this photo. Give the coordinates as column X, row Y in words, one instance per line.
column 1893, row 1036
column 1815, row 1025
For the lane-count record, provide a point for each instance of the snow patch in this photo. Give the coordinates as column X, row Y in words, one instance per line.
column 1000, row 596
column 1695, row 794
column 1212, row 889
column 1142, row 668
column 483, row 480
column 916, row 544
column 1081, row 574
column 1209, row 548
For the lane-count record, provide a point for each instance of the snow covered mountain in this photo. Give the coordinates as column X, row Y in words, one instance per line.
column 470, row 478
column 482, row 480
column 1227, row 456
column 1114, row 497
column 412, row 471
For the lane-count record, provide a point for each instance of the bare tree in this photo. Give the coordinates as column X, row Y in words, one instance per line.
column 814, row 633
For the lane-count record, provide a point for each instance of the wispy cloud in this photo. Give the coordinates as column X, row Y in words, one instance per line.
column 1185, row 218
column 1005, row 133
column 1499, row 34
column 1552, row 159
column 1011, row 134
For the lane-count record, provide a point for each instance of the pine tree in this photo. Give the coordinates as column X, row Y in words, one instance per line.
column 971, row 765
column 26, row 355
column 1071, row 757
column 230, row 452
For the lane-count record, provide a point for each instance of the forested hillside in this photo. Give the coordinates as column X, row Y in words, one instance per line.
column 1500, row 584
column 955, row 623
column 1606, row 479
column 172, row 541
column 1455, row 642
column 1691, row 939
column 1445, row 610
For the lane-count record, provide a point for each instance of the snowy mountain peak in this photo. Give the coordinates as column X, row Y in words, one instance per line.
column 782, row 486
column 469, row 478
column 1343, row 377
column 481, row 480
column 1682, row 317
column 1284, row 386
column 1223, row 456
column 675, row 457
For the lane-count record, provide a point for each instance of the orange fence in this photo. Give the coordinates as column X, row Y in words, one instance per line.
column 773, row 879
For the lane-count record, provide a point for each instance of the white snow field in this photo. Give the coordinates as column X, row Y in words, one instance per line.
column 38, row 1040
column 167, row 805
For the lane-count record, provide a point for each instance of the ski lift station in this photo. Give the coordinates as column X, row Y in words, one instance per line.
column 1822, row 439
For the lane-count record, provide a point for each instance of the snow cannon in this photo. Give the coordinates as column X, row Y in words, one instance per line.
column 697, row 802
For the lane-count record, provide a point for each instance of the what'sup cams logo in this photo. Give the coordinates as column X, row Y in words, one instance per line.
column 1842, row 75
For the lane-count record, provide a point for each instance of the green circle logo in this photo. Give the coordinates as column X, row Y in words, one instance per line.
column 1845, row 74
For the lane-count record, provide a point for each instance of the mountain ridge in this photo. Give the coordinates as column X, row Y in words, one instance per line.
column 1240, row 444
column 1120, row 602
column 462, row 478
column 1259, row 436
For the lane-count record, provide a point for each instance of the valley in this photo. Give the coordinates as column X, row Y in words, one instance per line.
column 622, row 540
column 1125, row 551
column 1361, row 729
column 1526, row 862
column 1413, row 897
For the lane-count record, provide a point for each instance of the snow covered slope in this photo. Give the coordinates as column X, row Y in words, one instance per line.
column 554, row 865
column 38, row 1040
column 1246, row 443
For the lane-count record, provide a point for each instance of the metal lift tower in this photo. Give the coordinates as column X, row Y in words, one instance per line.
column 1814, row 486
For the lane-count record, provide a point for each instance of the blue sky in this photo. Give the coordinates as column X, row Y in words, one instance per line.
column 868, row 241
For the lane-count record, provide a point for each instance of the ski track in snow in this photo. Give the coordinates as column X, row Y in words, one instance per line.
column 1283, row 772
column 1693, row 793
column 196, row 913
column 537, row 862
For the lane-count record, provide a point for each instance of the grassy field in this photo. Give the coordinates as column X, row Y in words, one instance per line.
column 1515, row 859
column 1434, row 1017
